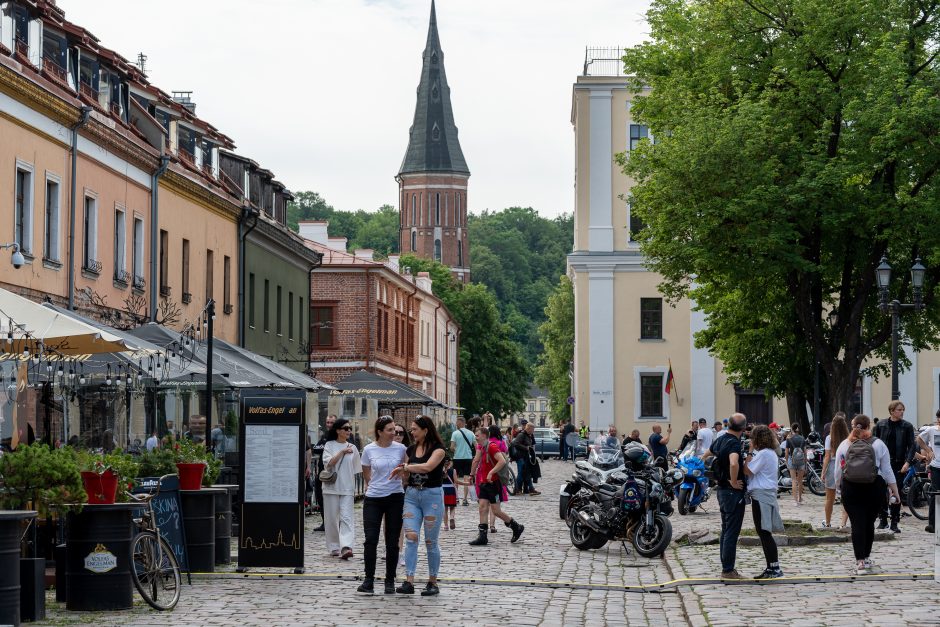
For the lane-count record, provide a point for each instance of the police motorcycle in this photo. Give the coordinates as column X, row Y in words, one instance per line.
column 604, row 466
column 636, row 510
column 692, row 491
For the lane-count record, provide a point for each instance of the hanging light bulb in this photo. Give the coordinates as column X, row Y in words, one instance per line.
column 60, row 371
column 107, row 380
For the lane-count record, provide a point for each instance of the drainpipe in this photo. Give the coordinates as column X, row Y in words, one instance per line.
column 86, row 111
column 408, row 332
column 313, row 267
column 242, row 239
column 434, row 356
column 369, row 337
column 154, row 230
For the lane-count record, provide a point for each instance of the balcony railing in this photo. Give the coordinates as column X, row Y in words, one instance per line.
column 88, row 91
column 187, row 158
column 92, row 266
column 21, row 48
column 55, row 70
column 139, row 283
column 603, row 62
column 122, row 276
column 165, row 291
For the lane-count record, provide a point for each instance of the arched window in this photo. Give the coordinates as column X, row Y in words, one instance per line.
column 457, row 213
column 459, row 254
column 437, row 249
column 414, row 241
column 437, row 209
column 414, row 208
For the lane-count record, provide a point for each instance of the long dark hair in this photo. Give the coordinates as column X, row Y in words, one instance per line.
column 432, row 440
column 494, row 432
column 339, row 424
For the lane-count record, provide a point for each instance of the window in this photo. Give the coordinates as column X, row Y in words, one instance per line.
column 277, row 310
column 267, row 306
column 638, row 132
column 300, row 319
column 385, row 331
column 651, row 396
column 543, row 405
column 90, row 235
column 531, row 405
column 120, row 246
column 635, row 223
column 23, row 209
column 210, row 274
column 251, row 300
column 437, row 249
column 321, row 326
column 227, row 284
column 437, row 209
column 414, row 210
column 379, row 333
column 651, row 318
column 459, row 254
column 138, row 252
column 50, row 239
column 290, row 315
column 164, row 260
column 187, row 296
column 414, row 241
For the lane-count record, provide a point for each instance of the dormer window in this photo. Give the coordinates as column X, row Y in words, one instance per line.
column 435, row 132
column 434, row 58
column 88, row 76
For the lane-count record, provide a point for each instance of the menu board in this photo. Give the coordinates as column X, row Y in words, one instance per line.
column 271, row 476
column 168, row 511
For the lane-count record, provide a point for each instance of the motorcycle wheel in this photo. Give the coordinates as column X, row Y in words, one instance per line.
column 692, row 508
column 571, row 510
column 652, row 542
column 583, row 537
column 816, row 485
column 684, row 495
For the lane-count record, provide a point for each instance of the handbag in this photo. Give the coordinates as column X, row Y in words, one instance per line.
column 328, row 475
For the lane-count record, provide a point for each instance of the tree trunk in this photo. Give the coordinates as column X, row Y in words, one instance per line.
column 841, row 381
column 796, row 411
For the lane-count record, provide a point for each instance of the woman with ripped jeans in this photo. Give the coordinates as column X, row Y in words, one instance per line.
column 424, row 502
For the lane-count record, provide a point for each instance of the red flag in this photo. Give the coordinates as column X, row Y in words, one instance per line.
column 670, row 380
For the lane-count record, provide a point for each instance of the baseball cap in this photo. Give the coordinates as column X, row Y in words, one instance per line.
column 774, row 425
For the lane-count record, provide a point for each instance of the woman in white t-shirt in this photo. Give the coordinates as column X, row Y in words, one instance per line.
column 340, row 455
column 385, row 499
column 929, row 442
column 761, row 470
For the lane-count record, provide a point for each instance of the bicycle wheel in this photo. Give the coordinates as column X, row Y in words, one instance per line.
column 155, row 572
column 918, row 499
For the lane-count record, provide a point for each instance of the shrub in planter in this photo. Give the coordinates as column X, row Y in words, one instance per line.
column 39, row 477
column 156, row 463
column 191, row 461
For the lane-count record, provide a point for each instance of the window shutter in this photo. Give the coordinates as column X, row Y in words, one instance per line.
column 35, row 42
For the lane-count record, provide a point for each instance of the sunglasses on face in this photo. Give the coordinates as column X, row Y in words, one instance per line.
column 345, row 428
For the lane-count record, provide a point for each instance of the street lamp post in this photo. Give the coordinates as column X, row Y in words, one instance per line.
column 895, row 307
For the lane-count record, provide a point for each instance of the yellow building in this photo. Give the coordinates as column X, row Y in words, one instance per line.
column 626, row 335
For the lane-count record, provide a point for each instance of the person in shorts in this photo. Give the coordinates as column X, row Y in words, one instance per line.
column 461, row 448
column 487, row 462
column 450, row 494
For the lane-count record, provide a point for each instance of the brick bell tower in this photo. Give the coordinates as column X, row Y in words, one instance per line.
column 432, row 180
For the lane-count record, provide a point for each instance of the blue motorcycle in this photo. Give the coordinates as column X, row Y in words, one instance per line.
column 693, row 491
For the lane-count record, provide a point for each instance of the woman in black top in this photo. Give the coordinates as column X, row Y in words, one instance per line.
column 424, row 500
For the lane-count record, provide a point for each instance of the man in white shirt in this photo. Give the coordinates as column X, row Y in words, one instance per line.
column 703, row 437
column 929, row 443
column 153, row 442
column 463, row 449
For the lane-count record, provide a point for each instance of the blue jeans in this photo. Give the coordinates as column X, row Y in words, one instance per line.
column 428, row 505
column 523, row 482
column 731, row 504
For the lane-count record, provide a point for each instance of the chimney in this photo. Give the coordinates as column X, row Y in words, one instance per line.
column 337, row 243
column 185, row 98
column 364, row 253
column 315, row 231
column 424, row 281
column 393, row 262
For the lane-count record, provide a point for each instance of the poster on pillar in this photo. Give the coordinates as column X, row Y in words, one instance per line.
column 271, row 476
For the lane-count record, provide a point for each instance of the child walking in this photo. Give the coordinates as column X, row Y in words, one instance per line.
column 450, row 493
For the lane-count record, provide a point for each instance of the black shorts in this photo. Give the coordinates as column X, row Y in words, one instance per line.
column 462, row 467
column 490, row 491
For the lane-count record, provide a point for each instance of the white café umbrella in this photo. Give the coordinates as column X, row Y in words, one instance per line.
column 31, row 325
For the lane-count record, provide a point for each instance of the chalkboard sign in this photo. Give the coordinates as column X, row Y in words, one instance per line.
column 169, row 513
column 272, row 445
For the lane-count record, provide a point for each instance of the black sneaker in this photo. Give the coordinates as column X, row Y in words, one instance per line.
column 894, row 528
column 389, row 586
column 406, row 587
column 367, row 586
column 882, row 525
column 770, row 573
column 431, row 589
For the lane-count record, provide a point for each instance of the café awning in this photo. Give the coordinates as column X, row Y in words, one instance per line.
column 386, row 391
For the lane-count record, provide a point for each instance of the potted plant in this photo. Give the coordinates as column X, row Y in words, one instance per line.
column 107, row 476
column 156, row 463
column 40, row 478
column 191, row 461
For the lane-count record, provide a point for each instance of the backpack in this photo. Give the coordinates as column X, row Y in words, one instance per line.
column 859, row 463
column 798, row 452
column 504, row 473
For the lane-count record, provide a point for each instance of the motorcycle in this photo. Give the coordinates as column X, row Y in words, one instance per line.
column 693, row 491
column 635, row 511
column 600, row 467
column 811, row 477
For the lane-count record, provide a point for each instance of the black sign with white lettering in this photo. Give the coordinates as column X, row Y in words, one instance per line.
column 168, row 511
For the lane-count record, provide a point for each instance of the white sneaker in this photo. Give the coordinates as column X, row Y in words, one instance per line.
column 869, row 564
column 861, row 568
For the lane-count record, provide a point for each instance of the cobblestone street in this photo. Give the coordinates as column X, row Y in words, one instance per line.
column 533, row 570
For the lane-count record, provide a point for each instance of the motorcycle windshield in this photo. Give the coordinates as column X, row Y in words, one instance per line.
column 688, row 451
column 606, row 457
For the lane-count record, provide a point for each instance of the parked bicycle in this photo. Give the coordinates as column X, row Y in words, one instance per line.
column 154, row 568
column 918, row 493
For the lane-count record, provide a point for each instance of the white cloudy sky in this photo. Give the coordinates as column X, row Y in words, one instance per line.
column 322, row 92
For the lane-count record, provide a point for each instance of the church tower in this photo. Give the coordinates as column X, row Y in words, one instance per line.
column 432, row 180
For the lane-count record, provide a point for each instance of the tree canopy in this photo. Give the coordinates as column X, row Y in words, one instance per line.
column 795, row 145
column 377, row 230
column 557, row 335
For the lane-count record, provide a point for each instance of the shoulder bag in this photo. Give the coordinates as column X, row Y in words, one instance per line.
column 328, row 475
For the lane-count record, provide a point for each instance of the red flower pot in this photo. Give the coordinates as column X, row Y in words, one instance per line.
column 191, row 475
column 101, row 489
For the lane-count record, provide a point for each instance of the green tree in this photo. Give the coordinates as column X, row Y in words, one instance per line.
column 557, row 335
column 379, row 231
column 795, row 145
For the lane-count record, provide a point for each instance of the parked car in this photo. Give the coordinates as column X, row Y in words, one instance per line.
column 548, row 444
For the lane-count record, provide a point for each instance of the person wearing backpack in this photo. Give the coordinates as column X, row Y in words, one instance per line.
column 492, row 473
column 862, row 470
column 898, row 435
column 796, row 461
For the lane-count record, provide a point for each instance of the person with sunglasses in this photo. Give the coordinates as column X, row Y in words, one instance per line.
column 342, row 457
column 424, row 502
column 384, row 500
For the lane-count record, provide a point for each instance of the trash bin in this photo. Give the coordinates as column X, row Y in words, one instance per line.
column 223, row 523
